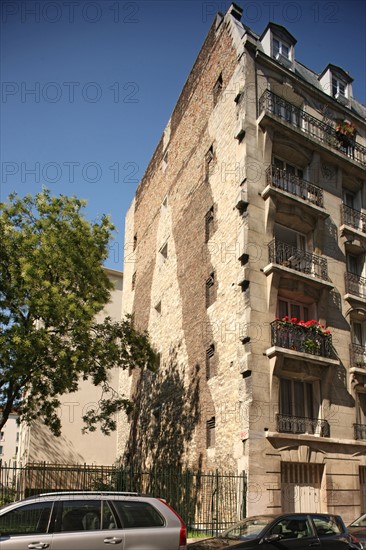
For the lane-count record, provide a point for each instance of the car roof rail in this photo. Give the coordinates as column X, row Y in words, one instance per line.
column 86, row 492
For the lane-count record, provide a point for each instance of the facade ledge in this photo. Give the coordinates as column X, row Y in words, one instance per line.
column 346, row 229
column 276, row 351
column 358, row 370
column 270, row 191
column 315, row 281
column 354, row 298
column 309, row 438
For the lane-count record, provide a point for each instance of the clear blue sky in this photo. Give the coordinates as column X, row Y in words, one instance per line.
column 88, row 86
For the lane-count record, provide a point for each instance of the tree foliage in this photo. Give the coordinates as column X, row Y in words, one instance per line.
column 52, row 285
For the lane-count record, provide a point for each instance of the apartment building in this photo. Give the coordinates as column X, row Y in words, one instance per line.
column 246, row 263
column 9, row 440
column 36, row 441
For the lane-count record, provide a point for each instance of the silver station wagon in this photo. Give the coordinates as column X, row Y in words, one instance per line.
column 91, row 521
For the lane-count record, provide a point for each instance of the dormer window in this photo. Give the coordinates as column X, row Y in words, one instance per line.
column 280, row 48
column 279, row 44
column 338, row 88
column 337, row 83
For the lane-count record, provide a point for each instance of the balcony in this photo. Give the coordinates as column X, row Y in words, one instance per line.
column 353, row 219
column 358, row 356
column 298, row 187
column 302, row 425
column 301, row 338
column 360, row 431
column 313, row 128
column 286, row 255
column 355, row 285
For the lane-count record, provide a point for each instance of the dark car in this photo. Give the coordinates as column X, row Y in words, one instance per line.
column 285, row 531
column 358, row 529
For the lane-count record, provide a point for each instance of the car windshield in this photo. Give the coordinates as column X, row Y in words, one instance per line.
column 359, row 522
column 248, row 528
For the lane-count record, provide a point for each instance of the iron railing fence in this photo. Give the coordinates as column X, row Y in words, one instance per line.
column 358, row 356
column 313, row 127
column 208, row 502
column 301, row 425
column 281, row 179
column 288, row 256
column 355, row 284
column 301, row 338
column 353, row 218
column 360, row 431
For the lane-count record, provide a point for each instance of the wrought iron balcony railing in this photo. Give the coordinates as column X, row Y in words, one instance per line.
column 300, row 338
column 311, row 126
column 360, row 431
column 281, row 179
column 358, row 356
column 355, row 285
column 287, row 255
column 353, row 218
column 302, row 425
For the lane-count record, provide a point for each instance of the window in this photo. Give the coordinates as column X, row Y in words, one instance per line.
column 280, row 48
column 32, row 518
column 293, row 528
column 158, row 308
column 339, row 87
column 348, row 199
column 210, row 290
column 217, row 89
column 327, row 526
column 165, row 161
column 292, row 309
column 1, row 436
column 138, row 514
column 164, row 251
column 210, row 362
column 209, row 224
column 361, row 408
column 134, row 241
column 358, row 357
column 296, row 405
column 355, row 264
column 209, row 162
column 358, row 333
column 133, row 283
column 1, row 450
column 82, row 515
column 290, row 250
column 210, row 431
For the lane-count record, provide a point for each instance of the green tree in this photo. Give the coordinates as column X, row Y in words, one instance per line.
column 52, row 285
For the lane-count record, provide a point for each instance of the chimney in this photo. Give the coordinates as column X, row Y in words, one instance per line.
column 236, row 11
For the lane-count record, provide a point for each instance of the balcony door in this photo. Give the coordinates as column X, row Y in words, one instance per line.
column 290, row 237
column 289, row 177
column 296, row 405
column 291, row 249
column 355, row 264
column 292, row 309
column 361, row 408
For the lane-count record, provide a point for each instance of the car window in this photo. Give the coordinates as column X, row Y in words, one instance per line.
column 31, row 518
column 108, row 517
column 138, row 514
column 81, row 515
column 327, row 526
column 360, row 522
column 249, row 528
column 292, row 528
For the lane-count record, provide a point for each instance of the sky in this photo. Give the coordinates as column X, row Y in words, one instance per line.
column 87, row 87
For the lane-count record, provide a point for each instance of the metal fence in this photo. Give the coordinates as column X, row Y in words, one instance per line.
column 208, row 502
